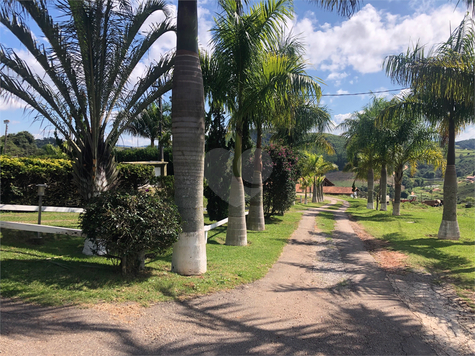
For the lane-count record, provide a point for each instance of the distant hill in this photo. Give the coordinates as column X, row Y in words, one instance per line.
column 339, row 158
column 466, row 144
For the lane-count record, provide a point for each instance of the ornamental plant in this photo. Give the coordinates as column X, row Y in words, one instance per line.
column 279, row 188
column 129, row 226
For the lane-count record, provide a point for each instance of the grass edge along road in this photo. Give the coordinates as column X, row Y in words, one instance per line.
column 414, row 233
column 57, row 273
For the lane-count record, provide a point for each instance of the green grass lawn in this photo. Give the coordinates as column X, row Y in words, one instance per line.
column 415, row 234
column 56, row 272
column 69, row 220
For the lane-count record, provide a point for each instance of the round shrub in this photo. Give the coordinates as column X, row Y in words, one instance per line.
column 129, row 226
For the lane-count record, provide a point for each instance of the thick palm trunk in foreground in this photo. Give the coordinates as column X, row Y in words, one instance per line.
column 256, row 221
column 189, row 252
column 449, row 228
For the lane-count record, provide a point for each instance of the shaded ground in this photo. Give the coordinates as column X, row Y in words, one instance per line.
column 323, row 297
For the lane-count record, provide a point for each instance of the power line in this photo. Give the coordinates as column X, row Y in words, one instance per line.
column 370, row 92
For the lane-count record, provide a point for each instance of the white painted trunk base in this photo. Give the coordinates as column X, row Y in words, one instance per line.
column 370, row 205
column 189, row 253
column 449, row 230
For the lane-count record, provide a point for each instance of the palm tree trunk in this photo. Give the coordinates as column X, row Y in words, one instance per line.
column 314, row 195
column 256, row 221
column 306, row 202
column 370, row 202
column 383, row 183
column 449, row 228
column 189, row 252
column 397, row 190
column 236, row 233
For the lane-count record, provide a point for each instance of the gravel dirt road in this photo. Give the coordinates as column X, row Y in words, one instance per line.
column 324, row 296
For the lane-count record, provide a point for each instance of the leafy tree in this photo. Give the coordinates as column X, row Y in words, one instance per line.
column 21, row 144
column 84, row 90
column 443, row 90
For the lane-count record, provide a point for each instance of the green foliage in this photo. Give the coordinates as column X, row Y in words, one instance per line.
column 137, row 154
column 131, row 176
column 19, row 177
column 128, row 226
column 166, row 185
column 279, row 188
column 339, row 158
column 21, row 144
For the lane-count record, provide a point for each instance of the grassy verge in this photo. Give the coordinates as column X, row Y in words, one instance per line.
column 57, row 273
column 69, row 220
column 415, row 234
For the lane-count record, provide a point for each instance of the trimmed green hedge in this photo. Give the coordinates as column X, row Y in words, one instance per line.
column 19, row 177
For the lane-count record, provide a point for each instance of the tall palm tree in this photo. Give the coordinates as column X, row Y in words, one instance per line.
column 443, row 86
column 152, row 123
column 362, row 140
column 238, row 38
column 409, row 142
column 85, row 88
column 277, row 85
column 316, row 167
column 188, row 129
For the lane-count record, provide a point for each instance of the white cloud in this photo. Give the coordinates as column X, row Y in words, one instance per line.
column 341, row 91
column 336, row 77
column 11, row 103
column 467, row 133
column 364, row 40
column 339, row 118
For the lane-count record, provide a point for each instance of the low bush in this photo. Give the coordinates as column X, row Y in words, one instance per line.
column 129, row 226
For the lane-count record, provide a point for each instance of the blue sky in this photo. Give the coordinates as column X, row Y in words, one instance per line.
column 346, row 53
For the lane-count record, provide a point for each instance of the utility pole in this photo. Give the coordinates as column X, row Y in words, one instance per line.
column 6, row 122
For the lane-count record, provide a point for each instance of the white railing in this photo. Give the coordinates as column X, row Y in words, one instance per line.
column 216, row 224
column 33, row 208
column 40, row 228
column 64, row 230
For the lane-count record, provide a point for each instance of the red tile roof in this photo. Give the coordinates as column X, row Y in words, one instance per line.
column 337, row 190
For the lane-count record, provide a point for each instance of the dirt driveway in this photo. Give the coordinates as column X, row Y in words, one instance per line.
column 324, row 296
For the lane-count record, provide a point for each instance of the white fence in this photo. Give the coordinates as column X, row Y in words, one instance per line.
column 63, row 230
